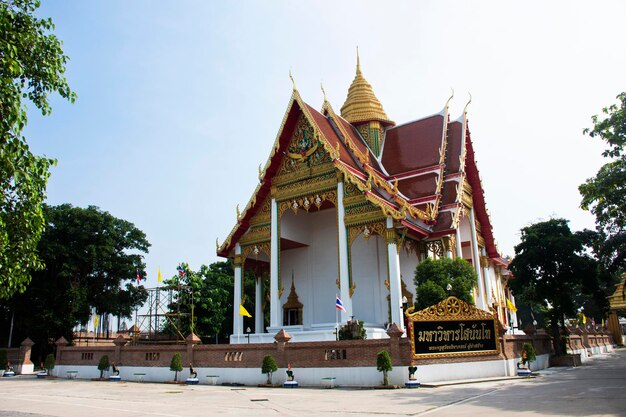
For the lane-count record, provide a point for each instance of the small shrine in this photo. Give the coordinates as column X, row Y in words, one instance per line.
column 349, row 204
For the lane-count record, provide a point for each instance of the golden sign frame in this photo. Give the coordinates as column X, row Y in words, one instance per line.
column 451, row 309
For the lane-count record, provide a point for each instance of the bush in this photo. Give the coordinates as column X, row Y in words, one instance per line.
column 353, row 330
column 268, row 367
column 383, row 364
column 528, row 352
column 49, row 363
column 103, row 365
column 176, row 365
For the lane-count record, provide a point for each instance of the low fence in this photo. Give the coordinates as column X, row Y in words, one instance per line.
column 351, row 362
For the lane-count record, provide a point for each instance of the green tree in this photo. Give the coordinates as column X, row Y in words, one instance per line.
column 32, row 65
column 269, row 367
column 206, row 292
column 176, row 365
column 605, row 194
column 551, row 266
column 383, row 364
column 432, row 278
column 103, row 365
column 91, row 261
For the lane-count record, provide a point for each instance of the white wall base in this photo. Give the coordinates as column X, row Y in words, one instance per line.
column 345, row 376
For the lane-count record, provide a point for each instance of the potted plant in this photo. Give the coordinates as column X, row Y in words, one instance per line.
column 528, row 355
column 103, row 365
column 383, row 364
column 269, row 367
column 176, row 365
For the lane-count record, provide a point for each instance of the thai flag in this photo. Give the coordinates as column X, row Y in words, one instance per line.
column 138, row 275
column 339, row 304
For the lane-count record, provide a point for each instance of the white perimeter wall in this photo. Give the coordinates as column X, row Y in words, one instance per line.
column 357, row 376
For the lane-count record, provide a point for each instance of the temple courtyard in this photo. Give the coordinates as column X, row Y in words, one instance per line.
column 594, row 389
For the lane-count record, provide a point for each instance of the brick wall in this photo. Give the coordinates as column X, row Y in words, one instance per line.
column 327, row 354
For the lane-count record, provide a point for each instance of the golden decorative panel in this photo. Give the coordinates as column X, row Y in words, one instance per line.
column 362, row 214
column 452, row 328
column 262, row 216
column 255, row 250
column 323, row 182
column 306, row 202
column 367, row 230
column 256, row 234
column 304, row 150
column 391, row 237
column 350, row 190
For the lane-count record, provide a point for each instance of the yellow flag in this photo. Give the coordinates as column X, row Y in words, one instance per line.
column 95, row 321
column 510, row 305
column 159, row 277
column 584, row 318
column 243, row 311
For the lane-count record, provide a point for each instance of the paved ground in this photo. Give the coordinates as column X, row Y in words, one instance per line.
column 595, row 389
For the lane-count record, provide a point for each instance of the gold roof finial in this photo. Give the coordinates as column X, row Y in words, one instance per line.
column 323, row 92
column 361, row 105
column 292, row 81
column 451, row 97
column 468, row 103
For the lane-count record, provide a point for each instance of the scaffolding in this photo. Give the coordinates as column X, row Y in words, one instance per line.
column 164, row 312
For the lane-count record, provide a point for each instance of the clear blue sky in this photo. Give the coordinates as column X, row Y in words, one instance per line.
column 179, row 102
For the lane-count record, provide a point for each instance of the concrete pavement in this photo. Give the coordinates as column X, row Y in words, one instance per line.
column 595, row 389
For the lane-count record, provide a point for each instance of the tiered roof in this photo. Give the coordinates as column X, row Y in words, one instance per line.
column 419, row 179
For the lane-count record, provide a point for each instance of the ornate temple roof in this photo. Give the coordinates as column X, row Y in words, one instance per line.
column 423, row 178
column 361, row 105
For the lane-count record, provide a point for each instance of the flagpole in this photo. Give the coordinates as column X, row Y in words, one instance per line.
column 336, row 320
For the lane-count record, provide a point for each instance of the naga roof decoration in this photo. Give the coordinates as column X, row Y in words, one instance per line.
column 425, row 177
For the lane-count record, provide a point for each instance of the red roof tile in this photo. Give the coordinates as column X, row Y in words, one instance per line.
column 413, row 145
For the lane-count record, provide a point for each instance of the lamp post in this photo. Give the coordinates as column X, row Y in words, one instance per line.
column 449, row 289
column 248, row 330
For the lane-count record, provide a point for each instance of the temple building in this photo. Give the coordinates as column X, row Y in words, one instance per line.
column 348, row 205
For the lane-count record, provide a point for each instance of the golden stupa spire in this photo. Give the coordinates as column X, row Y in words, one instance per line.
column 361, row 105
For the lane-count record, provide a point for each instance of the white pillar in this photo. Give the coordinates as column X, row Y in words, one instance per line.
column 480, row 301
column 344, row 272
column 237, row 318
column 395, row 288
column 274, row 247
column 487, row 275
column 258, row 304
column 459, row 246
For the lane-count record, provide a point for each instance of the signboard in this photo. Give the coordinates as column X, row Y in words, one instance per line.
column 452, row 328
